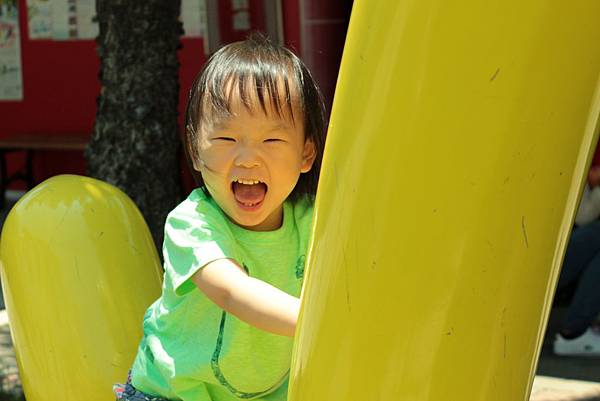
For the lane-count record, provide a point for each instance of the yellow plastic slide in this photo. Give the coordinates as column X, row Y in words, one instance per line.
column 458, row 142
column 79, row 271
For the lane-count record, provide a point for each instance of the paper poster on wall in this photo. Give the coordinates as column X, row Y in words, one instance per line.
column 39, row 19
column 11, row 81
column 74, row 19
column 61, row 28
column 241, row 15
column 193, row 17
column 87, row 28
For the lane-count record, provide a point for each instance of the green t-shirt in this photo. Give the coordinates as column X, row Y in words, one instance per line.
column 193, row 350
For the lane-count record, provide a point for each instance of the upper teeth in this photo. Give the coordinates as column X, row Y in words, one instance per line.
column 247, row 182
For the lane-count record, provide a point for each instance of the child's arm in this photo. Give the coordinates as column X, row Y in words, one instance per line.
column 249, row 299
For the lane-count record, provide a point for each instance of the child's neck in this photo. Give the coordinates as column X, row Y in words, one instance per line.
column 273, row 222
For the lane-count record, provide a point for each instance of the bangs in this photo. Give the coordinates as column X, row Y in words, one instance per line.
column 262, row 84
column 270, row 95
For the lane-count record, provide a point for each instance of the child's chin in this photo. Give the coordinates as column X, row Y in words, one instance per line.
column 242, row 219
column 250, row 225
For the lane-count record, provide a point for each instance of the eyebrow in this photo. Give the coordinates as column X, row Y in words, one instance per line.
column 220, row 125
column 279, row 127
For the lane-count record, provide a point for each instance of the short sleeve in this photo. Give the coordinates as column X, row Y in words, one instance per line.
column 195, row 235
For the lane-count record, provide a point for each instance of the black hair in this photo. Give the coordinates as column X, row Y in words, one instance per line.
column 256, row 64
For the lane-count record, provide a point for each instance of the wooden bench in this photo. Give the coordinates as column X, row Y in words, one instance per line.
column 30, row 143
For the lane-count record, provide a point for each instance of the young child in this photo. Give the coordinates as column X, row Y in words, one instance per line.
column 234, row 250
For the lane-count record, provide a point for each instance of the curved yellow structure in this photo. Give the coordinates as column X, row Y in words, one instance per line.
column 458, row 142
column 79, row 270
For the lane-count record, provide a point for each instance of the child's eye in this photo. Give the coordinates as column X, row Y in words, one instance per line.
column 273, row 140
column 224, row 138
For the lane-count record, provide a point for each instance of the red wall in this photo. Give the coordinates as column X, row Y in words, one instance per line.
column 291, row 25
column 323, row 26
column 60, row 87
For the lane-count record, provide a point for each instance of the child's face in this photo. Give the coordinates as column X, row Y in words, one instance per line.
column 251, row 162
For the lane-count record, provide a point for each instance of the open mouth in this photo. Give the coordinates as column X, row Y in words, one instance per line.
column 249, row 193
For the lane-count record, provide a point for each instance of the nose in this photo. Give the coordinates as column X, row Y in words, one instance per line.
column 247, row 158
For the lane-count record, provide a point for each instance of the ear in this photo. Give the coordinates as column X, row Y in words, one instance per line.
column 309, row 155
column 196, row 163
column 192, row 154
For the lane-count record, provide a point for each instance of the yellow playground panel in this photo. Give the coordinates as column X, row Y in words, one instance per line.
column 458, row 142
column 79, row 271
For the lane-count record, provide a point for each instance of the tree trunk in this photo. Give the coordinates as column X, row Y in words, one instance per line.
column 135, row 145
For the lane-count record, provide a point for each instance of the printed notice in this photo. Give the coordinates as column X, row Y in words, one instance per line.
column 11, row 81
column 74, row 19
column 87, row 27
column 39, row 19
column 193, row 17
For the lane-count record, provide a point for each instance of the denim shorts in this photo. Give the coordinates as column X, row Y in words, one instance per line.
column 126, row 392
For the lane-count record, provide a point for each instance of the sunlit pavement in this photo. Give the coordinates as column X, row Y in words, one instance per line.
column 9, row 373
column 555, row 389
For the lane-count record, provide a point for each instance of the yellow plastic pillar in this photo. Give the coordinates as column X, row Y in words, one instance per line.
column 458, row 142
column 79, row 270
